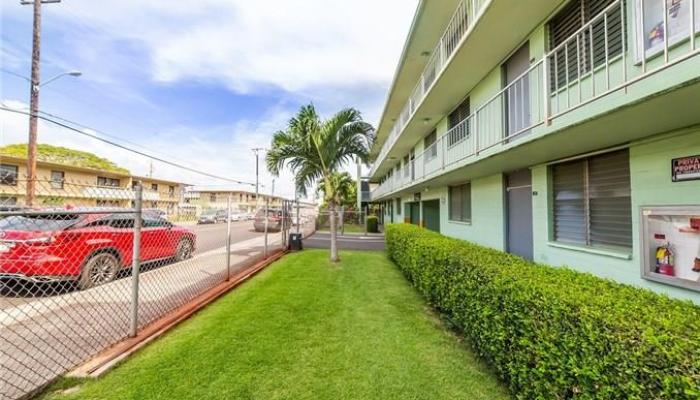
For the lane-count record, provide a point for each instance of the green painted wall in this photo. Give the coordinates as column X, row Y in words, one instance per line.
column 650, row 171
column 487, row 224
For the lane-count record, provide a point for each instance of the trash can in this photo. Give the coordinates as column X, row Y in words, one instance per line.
column 295, row 241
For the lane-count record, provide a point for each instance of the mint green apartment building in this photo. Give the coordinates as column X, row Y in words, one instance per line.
column 567, row 132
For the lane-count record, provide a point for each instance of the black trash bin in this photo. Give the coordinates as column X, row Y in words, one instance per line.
column 295, row 241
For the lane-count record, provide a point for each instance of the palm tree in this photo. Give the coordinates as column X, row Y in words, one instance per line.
column 315, row 150
column 344, row 189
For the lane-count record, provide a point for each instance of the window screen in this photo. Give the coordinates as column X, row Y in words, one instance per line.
column 461, row 203
column 459, row 114
column 8, row 174
column 592, row 201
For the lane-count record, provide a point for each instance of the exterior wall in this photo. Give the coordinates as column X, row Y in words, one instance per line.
column 651, row 183
column 487, row 226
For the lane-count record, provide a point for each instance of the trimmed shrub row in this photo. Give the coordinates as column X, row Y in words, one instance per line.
column 554, row 333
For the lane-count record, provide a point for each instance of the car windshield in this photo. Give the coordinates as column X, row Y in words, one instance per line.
column 41, row 222
column 208, row 213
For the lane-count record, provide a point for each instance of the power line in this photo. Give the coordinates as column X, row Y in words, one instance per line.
column 141, row 153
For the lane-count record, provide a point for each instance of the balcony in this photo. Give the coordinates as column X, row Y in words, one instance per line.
column 464, row 18
column 591, row 73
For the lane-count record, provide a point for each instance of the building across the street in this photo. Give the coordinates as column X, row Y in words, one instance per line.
column 199, row 198
column 566, row 132
column 61, row 184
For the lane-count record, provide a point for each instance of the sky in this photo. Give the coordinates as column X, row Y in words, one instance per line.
column 198, row 82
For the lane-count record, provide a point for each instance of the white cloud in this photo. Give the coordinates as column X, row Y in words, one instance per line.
column 295, row 45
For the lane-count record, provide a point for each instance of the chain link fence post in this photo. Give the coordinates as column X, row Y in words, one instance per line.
column 228, row 237
column 267, row 216
column 136, row 260
column 298, row 216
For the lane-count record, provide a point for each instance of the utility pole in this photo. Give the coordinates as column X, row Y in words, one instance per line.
column 34, row 97
column 273, row 187
column 257, row 150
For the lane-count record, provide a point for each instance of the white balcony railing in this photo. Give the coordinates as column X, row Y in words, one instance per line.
column 465, row 16
column 590, row 64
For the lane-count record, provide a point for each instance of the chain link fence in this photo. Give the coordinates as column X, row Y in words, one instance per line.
column 347, row 222
column 90, row 265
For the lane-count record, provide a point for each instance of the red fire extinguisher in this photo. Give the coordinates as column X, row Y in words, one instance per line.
column 664, row 260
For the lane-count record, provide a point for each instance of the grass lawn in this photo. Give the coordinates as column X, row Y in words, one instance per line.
column 347, row 228
column 304, row 329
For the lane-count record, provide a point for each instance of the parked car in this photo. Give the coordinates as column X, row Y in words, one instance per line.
column 88, row 248
column 212, row 217
column 274, row 220
column 235, row 217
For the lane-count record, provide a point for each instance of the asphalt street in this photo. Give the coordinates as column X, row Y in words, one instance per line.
column 213, row 236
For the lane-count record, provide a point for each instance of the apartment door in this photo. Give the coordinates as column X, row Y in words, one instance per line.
column 519, row 213
column 412, row 213
column 517, row 93
column 431, row 214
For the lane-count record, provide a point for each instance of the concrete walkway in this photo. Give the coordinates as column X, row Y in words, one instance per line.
column 322, row 240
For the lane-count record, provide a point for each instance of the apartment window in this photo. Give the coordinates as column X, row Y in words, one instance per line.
column 154, row 187
column 430, row 146
column 107, row 203
column 8, row 174
column 171, row 191
column 398, row 206
column 57, row 179
column 212, row 197
column 567, row 22
column 592, row 201
column 110, row 182
column 8, row 201
column 678, row 17
column 461, row 202
column 458, row 132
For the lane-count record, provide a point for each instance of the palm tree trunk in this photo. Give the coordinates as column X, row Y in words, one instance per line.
column 334, row 234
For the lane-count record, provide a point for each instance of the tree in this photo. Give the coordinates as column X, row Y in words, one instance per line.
column 344, row 190
column 316, row 149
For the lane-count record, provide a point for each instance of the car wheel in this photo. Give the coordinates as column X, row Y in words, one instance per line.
column 99, row 269
column 184, row 249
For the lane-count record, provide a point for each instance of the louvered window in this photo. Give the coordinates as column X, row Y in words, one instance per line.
column 592, row 202
column 461, row 203
column 430, row 146
column 458, row 132
column 576, row 56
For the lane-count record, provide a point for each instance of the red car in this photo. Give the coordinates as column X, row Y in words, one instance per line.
column 88, row 248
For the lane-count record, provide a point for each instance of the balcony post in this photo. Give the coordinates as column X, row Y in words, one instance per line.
column 545, row 90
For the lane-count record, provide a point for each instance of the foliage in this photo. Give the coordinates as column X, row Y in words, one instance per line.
column 315, row 150
column 553, row 332
column 343, row 190
column 372, row 224
column 65, row 156
column 302, row 329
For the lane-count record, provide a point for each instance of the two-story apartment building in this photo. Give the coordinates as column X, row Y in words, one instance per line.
column 567, row 132
column 197, row 199
column 60, row 184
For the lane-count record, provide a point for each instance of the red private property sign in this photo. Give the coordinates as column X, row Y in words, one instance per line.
column 685, row 168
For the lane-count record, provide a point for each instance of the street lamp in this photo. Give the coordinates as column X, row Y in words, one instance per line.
column 33, row 114
column 62, row 74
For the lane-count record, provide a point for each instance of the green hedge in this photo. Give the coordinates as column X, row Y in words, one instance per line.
column 554, row 333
